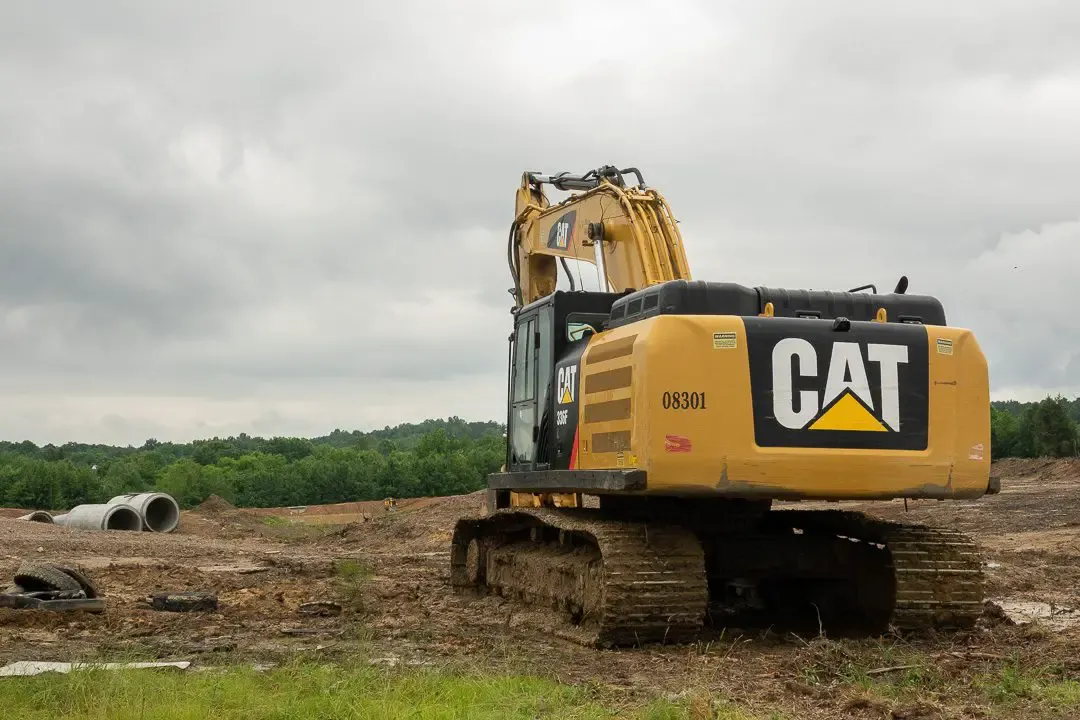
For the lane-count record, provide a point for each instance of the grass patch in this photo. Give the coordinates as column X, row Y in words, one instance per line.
column 886, row 674
column 302, row 691
column 352, row 577
column 278, row 527
column 1013, row 683
column 352, row 570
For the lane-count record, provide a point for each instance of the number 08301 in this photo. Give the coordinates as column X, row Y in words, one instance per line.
column 683, row 400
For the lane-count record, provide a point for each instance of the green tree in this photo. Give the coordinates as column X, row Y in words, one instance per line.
column 262, row 480
column 1004, row 433
column 291, row 448
column 191, row 483
column 124, row 477
column 1053, row 431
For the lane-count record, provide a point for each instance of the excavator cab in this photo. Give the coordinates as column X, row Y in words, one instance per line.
column 548, row 333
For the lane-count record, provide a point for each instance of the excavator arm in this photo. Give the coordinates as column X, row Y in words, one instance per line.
column 627, row 232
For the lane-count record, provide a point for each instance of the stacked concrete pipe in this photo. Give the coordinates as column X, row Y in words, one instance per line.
column 40, row 516
column 159, row 512
column 101, row 517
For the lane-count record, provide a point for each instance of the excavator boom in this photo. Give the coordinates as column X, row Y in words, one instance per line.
column 626, row 231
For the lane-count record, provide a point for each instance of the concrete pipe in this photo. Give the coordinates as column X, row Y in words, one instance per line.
column 38, row 516
column 101, row 517
column 160, row 512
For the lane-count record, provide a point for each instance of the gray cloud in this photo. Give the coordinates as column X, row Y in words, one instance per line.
column 272, row 217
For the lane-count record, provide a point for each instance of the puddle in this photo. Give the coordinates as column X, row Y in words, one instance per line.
column 1026, row 611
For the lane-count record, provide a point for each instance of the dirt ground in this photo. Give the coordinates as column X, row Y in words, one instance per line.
column 388, row 574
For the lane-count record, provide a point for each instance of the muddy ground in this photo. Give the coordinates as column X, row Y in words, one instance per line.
column 389, row 577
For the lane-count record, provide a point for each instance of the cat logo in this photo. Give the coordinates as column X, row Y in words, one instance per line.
column 846, row 402
column 561, row 234
column 566, row 385
column 865, row 388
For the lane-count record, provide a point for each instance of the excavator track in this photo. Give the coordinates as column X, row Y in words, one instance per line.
column 616, row 582
column 937, row 573
column 939, row 578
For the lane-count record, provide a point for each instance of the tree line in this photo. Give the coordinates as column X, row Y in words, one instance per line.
column 435, row 457
column 1047, row 428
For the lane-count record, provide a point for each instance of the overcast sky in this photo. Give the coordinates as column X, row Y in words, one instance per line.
column 206, row 208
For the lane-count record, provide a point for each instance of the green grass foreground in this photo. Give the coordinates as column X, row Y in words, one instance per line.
column 305, row 691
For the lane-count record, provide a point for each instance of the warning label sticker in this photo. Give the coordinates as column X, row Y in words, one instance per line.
column 724, row 340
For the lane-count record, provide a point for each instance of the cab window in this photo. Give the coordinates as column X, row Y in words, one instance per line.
column 579, row 324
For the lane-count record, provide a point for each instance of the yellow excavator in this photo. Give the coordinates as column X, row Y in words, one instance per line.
column 653, row 423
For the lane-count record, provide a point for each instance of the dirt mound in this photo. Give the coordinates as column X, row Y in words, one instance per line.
column 427, row 528
column 215, row 506
column 1066, row 469
column 1053, row 469
column 217, row 517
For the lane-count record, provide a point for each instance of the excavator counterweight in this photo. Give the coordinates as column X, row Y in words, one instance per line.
column 653, row 425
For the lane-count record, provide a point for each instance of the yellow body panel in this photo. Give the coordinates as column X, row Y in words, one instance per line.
column 623, row 423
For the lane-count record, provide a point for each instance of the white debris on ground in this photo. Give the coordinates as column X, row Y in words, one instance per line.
column 27, row 668
column 1029, row 611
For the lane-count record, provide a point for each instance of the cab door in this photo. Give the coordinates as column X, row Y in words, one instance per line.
column 530, row 393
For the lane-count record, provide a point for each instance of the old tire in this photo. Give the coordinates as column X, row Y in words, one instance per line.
column 77, row 574
column 35, row 577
